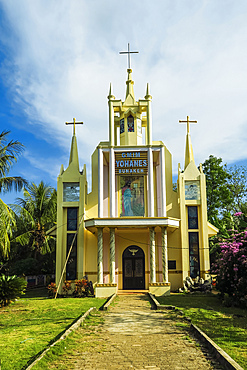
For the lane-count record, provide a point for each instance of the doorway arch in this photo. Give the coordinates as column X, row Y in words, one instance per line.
column 133, row 268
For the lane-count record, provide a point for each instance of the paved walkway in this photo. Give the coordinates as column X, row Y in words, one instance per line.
column 135, row 337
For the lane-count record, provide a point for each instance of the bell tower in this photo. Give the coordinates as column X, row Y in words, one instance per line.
column 130, row 122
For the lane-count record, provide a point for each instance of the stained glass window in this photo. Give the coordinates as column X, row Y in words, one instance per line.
column 72, row 218
column 71, row 191
column 121, row 125
column 192, row 190
column 194, row 254
column 192, row 217
column 71, row 268
column 130, row 122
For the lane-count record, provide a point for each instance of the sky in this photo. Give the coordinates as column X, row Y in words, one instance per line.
column 58, row 58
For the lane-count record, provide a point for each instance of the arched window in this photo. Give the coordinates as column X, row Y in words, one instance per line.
column 130, row 122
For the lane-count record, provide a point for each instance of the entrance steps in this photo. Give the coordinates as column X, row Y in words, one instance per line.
column 132, row 292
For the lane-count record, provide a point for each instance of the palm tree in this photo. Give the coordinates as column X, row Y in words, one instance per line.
column 9, row 152
column 36, row 213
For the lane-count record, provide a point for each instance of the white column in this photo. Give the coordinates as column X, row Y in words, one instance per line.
column 100, row 256
column 100, row 183
column 111, row 124
column 152, row 256
column 150, row 184
column 164, row 254
column 112, row 183
column 112, row 256
column 163, row 181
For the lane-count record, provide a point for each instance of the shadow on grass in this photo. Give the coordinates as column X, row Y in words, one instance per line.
column 40, row 292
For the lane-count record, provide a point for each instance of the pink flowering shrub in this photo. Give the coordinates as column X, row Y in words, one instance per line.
column 231, row 268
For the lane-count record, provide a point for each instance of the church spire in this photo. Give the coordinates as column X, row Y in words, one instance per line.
column 73, row 158
column 189, row 156
column 129, row 83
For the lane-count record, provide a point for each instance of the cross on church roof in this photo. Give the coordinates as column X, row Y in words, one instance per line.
column 129, row 52
column 188, row 123
column 74, row 123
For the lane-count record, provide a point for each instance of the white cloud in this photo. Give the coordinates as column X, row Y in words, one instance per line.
column 65, row 54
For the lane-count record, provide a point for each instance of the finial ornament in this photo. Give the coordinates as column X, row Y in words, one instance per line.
column 110, row 96
column 74, row 123
column 128, row 52
column 188, row 123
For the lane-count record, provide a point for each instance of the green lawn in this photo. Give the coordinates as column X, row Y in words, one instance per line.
column 226, row 326
column 30, row 324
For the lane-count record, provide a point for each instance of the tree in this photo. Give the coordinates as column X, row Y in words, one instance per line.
column 36, row 214
column 231, row 268
column 219, row 195
column 237, row 184
column 226, row 200
column 9, row 152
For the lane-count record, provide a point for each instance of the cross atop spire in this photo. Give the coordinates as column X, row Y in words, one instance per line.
column 74, row 123
column 128, row 52
column 189, row 156
column 188, row 123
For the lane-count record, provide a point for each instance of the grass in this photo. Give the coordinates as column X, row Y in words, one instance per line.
column 65, row 354
column 226, row 326
column 31, row 323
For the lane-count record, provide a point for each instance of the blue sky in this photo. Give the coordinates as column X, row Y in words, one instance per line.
column 57, row 59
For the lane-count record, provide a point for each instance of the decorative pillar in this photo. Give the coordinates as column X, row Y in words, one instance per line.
column 112, row 183
column 164, row 254
column 100, row 182
column 112, row 256
column 152, row 256
column 100, row 255
column 163, row 182
column 150, row 184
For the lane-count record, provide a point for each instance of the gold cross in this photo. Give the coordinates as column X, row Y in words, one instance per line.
column 188, row 123
column 129, row 52
column 74, row 123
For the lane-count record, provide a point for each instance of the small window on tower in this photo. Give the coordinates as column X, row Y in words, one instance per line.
column 130, row 121
column 121, row 125
column 72, row 218
column 192, row 217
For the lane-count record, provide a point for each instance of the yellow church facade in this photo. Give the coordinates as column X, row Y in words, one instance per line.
column 132, row 231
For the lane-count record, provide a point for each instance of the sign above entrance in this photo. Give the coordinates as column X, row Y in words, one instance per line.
column 131, row 163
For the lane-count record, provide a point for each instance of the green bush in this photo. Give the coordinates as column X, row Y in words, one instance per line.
column 28, row 266
column 11, row 287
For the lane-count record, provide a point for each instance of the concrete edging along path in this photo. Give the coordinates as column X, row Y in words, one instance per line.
column 108, row 302
column 62, row 336
column 218, row 352
column 223, row 358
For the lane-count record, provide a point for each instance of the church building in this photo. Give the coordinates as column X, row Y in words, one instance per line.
column 133, row 231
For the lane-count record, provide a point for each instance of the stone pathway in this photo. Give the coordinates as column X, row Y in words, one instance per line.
column 135, row 337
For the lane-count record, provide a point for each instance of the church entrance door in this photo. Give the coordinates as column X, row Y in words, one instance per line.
column 133, row 268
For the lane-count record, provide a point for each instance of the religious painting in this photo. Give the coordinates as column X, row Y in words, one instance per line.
column 121, row 125
column 192, row 190
column 130, row 122
column 132, row 196
column 71, row 191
